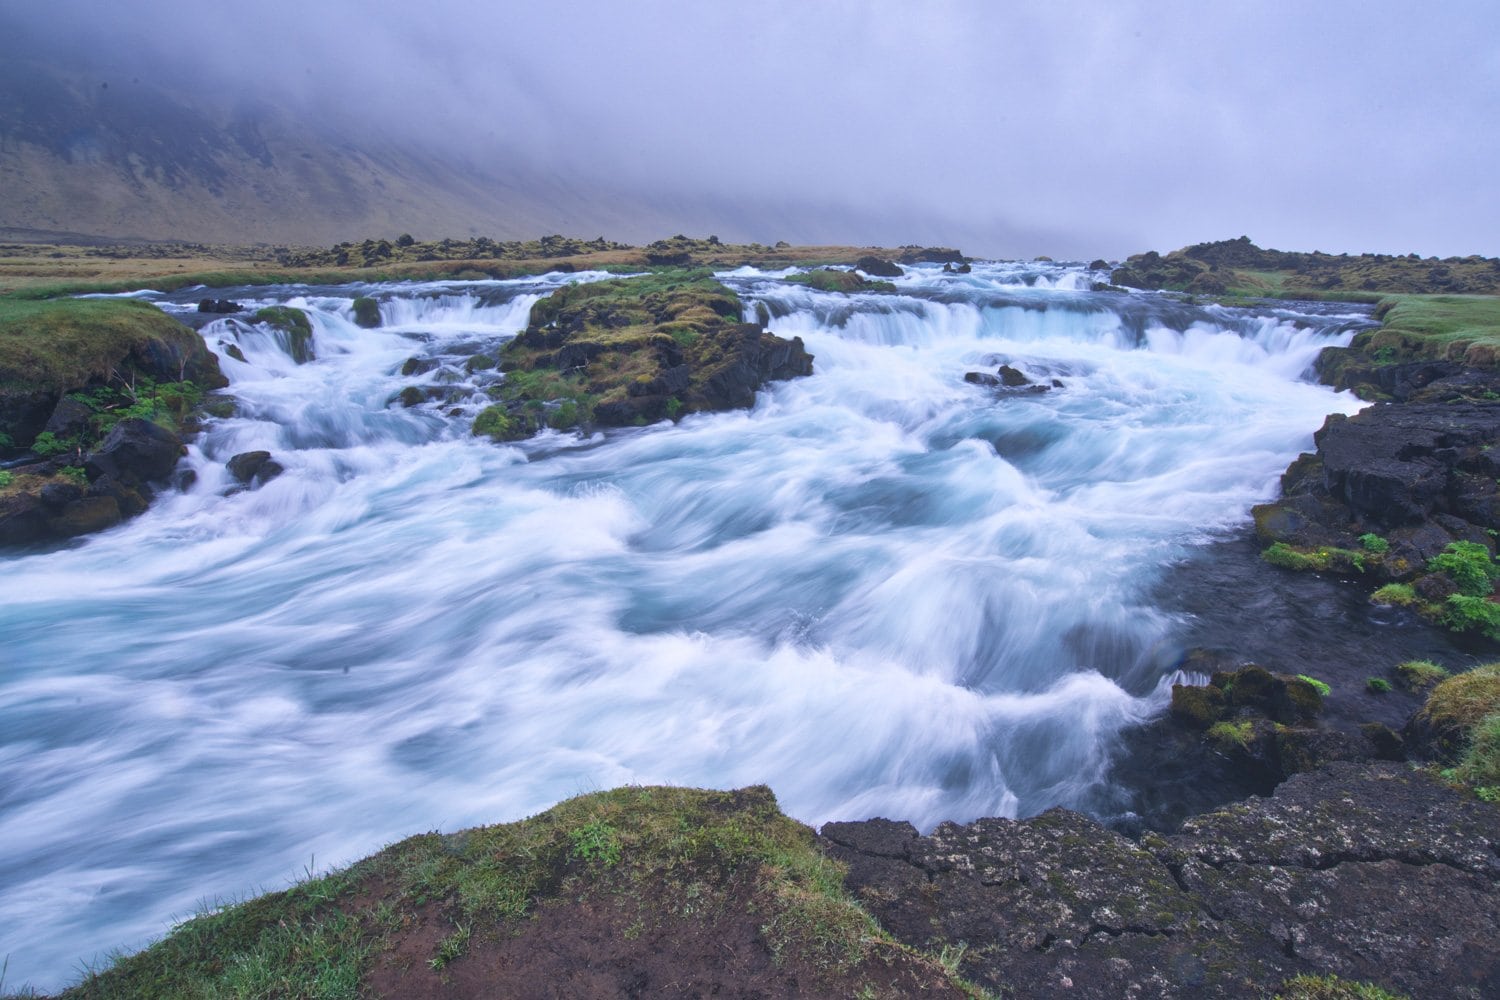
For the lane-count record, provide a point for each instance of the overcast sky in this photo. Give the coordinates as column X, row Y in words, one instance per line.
column 1075, row 129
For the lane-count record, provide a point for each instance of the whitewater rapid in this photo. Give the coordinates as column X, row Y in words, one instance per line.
column 882, row 591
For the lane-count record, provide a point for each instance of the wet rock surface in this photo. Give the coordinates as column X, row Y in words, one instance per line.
column 1420, row 470
column 1373, row 872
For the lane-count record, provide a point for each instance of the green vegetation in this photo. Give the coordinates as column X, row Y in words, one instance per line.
column 1317, row 685
column 1479, row 767
column 1464, row 699
column 1465, row 710
column 596, row 841
column 656, row 855
column 1418, row 675
column 1400, row 595
column 1332, row 988
column 1229, row 735
column 1463, row 613
column 1377, row 685
column 64, row 345
column 295, row 327
column 1324, row 558
column 1468, row 565
column 366, row 312
column 6, row 478
column 1461, row 327
column 628, row 352
column 1373, row 543
column 831, row 280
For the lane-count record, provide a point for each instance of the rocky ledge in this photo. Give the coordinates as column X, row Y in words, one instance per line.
column 1372, row 872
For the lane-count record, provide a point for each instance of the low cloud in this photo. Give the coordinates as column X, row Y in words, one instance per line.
column 1063, row 128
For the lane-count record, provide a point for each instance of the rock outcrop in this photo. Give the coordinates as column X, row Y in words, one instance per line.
column 1420, row 471
column 632, row 352
column 1372, row 872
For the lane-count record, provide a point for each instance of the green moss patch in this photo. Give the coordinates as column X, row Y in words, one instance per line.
column 832, row 280
column 633, row 351
column 62, row 345
column 643, row 866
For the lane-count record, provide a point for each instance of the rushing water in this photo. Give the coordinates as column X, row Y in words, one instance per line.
column 883, row 591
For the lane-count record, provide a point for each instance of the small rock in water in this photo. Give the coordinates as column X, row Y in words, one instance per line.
column 220, row 306
column 257, row 467
column 877, row 268
column 1012, row 377
column 981, row 378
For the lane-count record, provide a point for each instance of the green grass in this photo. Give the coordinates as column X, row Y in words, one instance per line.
column 1464, row 699
column 1332, row 988
column 1319, row 560
column 1479, row 767
column 1377, row 685
column 1455, row 326
column 1400, row 595
column 678, row 851
column 1417, row 675
column 61, row 345
column 1317, row 685
column 1229, row 735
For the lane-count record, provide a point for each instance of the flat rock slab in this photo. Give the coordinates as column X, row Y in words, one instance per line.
column 1372, row 872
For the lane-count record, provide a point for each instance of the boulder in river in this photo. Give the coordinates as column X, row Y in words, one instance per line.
column 135, row 451
column 877, row 268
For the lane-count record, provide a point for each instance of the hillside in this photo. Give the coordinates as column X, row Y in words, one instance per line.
column 122, row 158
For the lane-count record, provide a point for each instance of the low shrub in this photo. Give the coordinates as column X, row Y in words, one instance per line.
column 1468, row 565
column 1373, row 543
column 1377, row 685
column 1465, row 613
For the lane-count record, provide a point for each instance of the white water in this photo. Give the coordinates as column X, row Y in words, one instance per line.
column 883, row 591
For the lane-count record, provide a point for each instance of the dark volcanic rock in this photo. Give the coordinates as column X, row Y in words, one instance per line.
column 1371, row 872
column 86, row 515
column 1012, row 377
column 135, row 451
column 1421, row 474
column 254, row 467
column 877, row 268
column 219, row 306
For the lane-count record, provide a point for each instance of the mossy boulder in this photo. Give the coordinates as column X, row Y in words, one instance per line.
column 1197, row 707
column 1282, row 697
column 295, row 328
column 829, row 279
column 878, row 268
column 366, row 312
column 633, row 351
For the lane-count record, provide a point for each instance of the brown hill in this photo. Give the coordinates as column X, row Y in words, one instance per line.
column 122, row 158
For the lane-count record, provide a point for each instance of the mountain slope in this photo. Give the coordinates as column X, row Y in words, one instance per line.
column 125, row 159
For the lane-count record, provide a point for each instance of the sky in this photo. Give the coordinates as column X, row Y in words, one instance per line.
column 1067, row 128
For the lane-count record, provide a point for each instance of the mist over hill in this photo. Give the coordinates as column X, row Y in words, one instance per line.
column 107, row 153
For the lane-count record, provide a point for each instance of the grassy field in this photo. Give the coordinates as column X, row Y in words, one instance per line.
column 43, row 270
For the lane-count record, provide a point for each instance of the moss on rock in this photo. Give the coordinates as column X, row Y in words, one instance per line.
column 633, row 351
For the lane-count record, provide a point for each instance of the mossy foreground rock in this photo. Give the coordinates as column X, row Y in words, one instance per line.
column 634, row 351
column 631, row 893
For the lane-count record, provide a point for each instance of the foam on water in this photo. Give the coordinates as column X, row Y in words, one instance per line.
column 883, row 591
